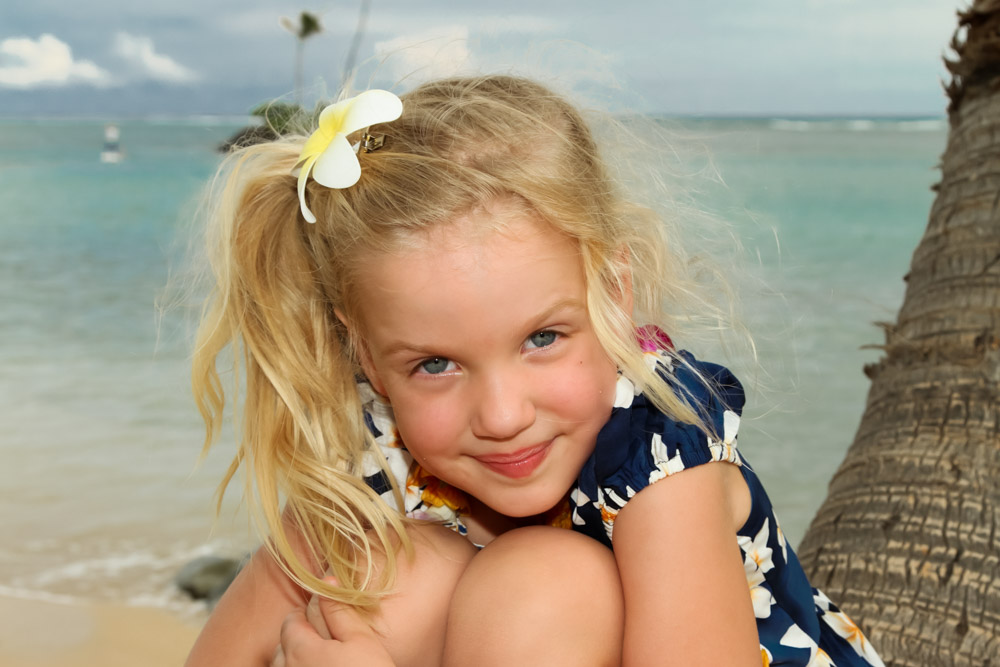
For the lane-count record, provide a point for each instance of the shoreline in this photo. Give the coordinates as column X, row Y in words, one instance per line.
column 36, row 633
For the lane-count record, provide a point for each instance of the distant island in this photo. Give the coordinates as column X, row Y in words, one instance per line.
column 276, row 119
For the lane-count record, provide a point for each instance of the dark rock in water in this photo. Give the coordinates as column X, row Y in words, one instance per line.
column 208, row 577
column 248, row 136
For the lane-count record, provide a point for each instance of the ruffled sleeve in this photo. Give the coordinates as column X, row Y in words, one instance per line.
column 640, row 445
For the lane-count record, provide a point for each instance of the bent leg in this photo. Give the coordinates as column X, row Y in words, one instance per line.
column 538, row 595
column 411, row 621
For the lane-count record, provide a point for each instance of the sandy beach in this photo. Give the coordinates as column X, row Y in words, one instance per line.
column 52, row 634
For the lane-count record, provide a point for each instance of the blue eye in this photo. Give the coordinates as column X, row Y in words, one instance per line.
column 542, row 338
column 435, row 366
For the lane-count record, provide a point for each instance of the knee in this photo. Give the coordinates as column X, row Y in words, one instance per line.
column 412, row 619
column 538, row 596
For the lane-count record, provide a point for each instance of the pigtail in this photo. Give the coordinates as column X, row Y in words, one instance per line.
column 301, row 431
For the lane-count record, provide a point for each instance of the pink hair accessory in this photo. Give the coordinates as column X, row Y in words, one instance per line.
column 652, row 338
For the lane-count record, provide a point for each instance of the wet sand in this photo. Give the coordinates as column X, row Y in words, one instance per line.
column 52, row 634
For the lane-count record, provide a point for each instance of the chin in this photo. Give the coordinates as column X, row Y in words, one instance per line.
column 523, row 507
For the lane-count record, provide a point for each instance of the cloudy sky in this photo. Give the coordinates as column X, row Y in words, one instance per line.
column 718, row 57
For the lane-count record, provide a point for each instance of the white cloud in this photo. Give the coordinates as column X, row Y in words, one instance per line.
column 147, row 63
column 416, row 19
column 518, row 23
column 430, row 54
column 44, row 63
column 254, row 22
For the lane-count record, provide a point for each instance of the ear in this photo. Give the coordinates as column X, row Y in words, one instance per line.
column 360, row 349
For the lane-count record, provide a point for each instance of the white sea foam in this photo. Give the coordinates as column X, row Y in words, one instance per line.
column 922, row 125
column 107, row 567
column 37, row 595
column 128, row 575
column 857, row 124
column 791, row 125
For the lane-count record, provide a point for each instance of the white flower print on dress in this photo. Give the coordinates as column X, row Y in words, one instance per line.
column 848, row 629
column 730, row 426
column 821, row 659
column 609, row 503
column 756, row 552
column 664, row 463
column 797, row 638
column 625, row 392
column 781, row 540
column 579, row 499
column 759, row 594
column 726, row 450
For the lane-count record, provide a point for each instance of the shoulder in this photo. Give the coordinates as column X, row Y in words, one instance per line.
column 243, row 629
column 640, row 445
column 674, row 543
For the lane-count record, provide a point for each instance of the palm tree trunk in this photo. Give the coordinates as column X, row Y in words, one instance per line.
column 907, row 541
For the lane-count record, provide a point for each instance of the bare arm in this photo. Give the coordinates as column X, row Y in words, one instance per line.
column 686, row 594
column 245, row 626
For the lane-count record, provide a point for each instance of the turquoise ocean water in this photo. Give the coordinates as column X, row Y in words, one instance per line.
column 99, row 439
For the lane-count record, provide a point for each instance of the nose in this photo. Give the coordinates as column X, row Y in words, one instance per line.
column 503, row 406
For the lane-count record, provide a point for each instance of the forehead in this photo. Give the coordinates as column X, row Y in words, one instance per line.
column 484, row 269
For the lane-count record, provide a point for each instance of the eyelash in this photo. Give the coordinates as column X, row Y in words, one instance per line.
column 556, row 335
column 420, row 370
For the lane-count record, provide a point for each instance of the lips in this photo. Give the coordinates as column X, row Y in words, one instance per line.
column 517, row 464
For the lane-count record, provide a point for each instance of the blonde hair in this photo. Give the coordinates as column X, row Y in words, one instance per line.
column 460, row 144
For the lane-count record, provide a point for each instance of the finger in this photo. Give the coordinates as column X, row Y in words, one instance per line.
column 296, row 632
column 341, row 619
column 278, row 659
column 316, row 619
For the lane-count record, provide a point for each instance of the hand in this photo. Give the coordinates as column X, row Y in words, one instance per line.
column 327, row 634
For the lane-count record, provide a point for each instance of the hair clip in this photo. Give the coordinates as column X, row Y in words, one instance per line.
column 371, row 142
column 328, row 156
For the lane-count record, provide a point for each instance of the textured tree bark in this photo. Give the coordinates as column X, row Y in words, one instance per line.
column 907, row 541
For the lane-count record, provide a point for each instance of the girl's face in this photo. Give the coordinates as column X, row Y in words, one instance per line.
column 482, row 342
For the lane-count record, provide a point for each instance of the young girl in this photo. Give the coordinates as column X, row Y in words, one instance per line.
column 450, row 326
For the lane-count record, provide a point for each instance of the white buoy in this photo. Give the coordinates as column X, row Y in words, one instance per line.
column 112, row 153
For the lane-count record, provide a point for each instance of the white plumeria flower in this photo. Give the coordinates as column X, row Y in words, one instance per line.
column 327, row 155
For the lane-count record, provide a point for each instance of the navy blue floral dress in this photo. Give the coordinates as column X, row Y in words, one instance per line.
column 639, row 446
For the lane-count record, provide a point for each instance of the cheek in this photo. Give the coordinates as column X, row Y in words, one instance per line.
column 587, row 388
column 427, row 427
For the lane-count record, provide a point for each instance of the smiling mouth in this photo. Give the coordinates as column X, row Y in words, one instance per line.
column 517, row 464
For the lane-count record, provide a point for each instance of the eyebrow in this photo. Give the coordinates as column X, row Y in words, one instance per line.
column 567, row 304
column 563, row 305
